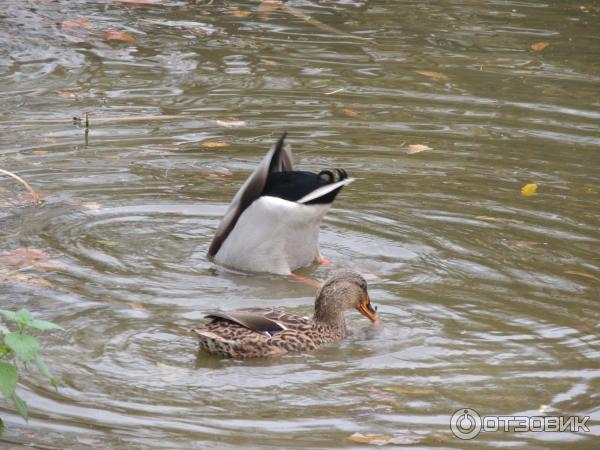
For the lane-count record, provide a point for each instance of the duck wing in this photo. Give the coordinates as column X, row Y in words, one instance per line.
column 278, row 159
column 265, row 321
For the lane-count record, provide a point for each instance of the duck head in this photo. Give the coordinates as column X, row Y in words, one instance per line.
column 343, row 290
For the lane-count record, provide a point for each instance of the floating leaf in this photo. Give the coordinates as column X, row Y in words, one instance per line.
column 529, row 189
column 22, row 257
column 8, row 379
column 230, row 123
column 432, row 74
column 215, row 144
column 39, row 152
column 384, row 439
column 265, row 8
column 120, row 36
column 539, row 46
column 417, row 148
column 268, row 62
column 23, row 345
column 108, row 242
column 350, row 112
column 240, row 13
column 137, row 306
column 78, row 23
column 498, row 219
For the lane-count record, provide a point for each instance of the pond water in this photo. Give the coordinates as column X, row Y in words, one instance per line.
column 442, row 110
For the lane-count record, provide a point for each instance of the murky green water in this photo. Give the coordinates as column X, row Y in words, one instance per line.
column 490, row 298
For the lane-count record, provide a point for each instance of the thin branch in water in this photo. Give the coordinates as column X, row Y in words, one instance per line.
column 34, row 195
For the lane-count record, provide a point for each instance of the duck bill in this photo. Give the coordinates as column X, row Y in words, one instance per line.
column 366, row 309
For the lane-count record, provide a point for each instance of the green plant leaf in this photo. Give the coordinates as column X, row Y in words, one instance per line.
column 8, row 379
column 25, row 346
column 21, row 405
column 44, row 325
column 41, row 365
column 24, row 317
column 9, row 315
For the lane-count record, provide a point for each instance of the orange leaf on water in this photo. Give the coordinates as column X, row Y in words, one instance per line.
column 121, row 36
column 39, row 152
column 267, row 7
column 350, row 112
column 70, row 24
column 240, row 13
column 539, row 46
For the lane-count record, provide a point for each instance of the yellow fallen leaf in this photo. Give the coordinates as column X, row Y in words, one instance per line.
column 539, row 46
column 39, row 152
column 432, row 74
column 417, row 148
column 268, row 62
column 529, row 189
column 350, row 112
column 240, row 13
column 230, row 123
column 215, row 144
column 137, row 306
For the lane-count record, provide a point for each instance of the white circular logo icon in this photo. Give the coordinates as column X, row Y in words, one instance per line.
column 465, row 423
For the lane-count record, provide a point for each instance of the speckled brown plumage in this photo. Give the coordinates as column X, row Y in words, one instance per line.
column 259, row 332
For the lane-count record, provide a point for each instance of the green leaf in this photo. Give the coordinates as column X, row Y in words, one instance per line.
column 25, row 346
column 9, row 315
column 24, row 317
column 21, row 405
column 1, row 427
column 41, row 365
column 44, row 325
column 8, row 379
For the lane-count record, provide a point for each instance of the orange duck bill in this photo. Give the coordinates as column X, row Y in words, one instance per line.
column 366, row 309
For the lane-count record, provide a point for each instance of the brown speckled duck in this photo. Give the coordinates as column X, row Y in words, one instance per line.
column 258, row 332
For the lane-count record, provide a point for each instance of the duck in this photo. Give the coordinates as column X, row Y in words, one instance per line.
column 267, row 332
column 273, row 222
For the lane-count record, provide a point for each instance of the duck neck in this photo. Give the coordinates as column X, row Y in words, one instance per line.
column 330, row 316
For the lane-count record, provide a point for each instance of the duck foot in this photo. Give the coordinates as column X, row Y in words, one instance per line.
column 305, row 280
column 325, row 261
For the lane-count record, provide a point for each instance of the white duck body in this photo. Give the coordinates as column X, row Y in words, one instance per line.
column 274, row 235
column 272, row 224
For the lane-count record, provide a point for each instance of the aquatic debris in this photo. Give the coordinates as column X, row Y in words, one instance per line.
column 215, row 144
column 230, row 123
column 240, row 13
column 120, row 36
column 582, row 274
column 433, row 74
column 15, row 263
column 539, row 46
column 34, row 195
column 77, row 23
column 498, row 219
column 384, row 439
column 529, row 189
column 417, row 148
column 351, row 112
column 334, row 92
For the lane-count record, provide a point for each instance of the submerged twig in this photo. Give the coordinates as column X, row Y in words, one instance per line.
column 34, row 195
